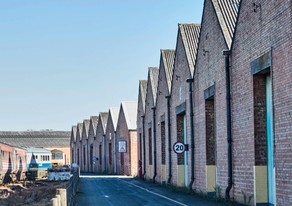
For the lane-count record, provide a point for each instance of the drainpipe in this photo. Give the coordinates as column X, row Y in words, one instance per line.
column 80, row 154
column 169, row 140
column 154, row 140
column 226, row 54
column 190, row 81
column 87, row 161
column 104, row 152
column 144, row 147
column 74, row 155
column 115, row 155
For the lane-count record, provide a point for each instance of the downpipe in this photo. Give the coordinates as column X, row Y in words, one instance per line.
column 104, row 153
column 115, row 154
column 169, row 140
column 87, row 159
column 144, row 147
column 190, row 81
column 154, row 141
column 227, row 54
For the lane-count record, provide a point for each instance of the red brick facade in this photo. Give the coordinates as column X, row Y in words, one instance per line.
column 269, row 30
column 259, row 41
column 111, row 126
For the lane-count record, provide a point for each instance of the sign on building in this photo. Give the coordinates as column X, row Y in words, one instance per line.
column 122, row 146
column 179, row 147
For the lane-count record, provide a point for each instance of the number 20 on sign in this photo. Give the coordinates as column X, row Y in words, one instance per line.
column 178, row 147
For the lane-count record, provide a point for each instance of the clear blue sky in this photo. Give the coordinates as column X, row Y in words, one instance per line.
column 62, row 61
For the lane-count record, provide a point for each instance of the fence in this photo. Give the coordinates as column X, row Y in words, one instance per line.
column 65, row 196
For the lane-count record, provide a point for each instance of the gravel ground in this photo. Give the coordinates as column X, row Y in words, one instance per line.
column 34, row 193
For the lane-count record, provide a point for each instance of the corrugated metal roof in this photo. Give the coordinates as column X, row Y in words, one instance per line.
column 167, row 56
column 103, row 120
column 142, row 92
column 153, row 81
column 93, row 124
column 85, row 129
column 190, row 37
column 130, row 111
column 114, row 114
column 227, row 11
column 36, row 138
column 79, row 132
column 73, row 134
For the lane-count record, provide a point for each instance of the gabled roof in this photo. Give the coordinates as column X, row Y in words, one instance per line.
column 142, row 92
column 85, row 129
column 73, row 134
column 79, row 131
column 153, row 81
column 190, row 38
column 167, row 56
column 130, row 112
column 93, row 124
column 102, row 120
column 45, row 139
column 227, row 11
column 114, row 114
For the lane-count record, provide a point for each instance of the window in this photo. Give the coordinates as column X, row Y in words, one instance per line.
column 57, row 156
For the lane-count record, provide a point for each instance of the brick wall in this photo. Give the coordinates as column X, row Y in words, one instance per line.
column 210, row 70
column 260, row 120
column 263, row 26
column 98, row 147
column 109, row 136
column 210, row 132
column 161, row 119
column 180, row 136
column 140, row 127
column 149, row 103
column 179, row 95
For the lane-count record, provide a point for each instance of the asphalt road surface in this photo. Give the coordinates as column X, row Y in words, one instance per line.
column 125, row 191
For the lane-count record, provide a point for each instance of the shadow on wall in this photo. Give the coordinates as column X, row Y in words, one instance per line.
column 7, row 177
column 32, row 168
column 20, row 169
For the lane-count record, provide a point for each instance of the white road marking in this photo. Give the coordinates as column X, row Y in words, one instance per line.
column 154, row 193
column 106, row 176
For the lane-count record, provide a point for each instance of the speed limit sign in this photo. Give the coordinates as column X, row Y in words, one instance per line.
column 179, row 147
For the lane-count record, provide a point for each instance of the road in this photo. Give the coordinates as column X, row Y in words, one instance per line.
column 120, row 190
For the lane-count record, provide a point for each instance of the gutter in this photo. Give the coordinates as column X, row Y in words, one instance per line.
column 190, row 81
column 169, row 140
column 154, row 141
column 227, row 54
